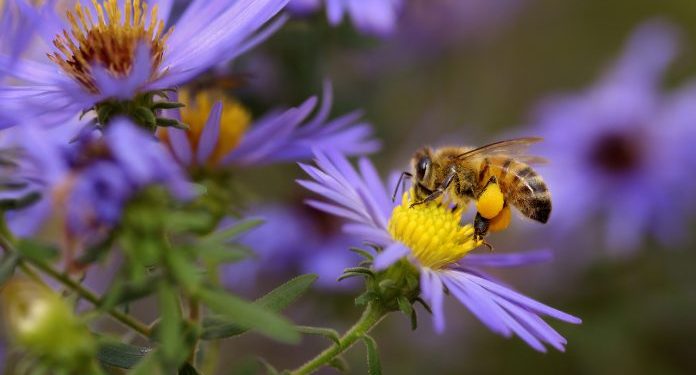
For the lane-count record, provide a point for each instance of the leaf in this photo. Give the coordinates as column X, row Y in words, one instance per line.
column 184, row 270
column 270, row 370
column 404, row 305
column 223, row 253
column 37, row 251
column 373, row 365
column 276, row 301
column 122, row 292
column 329, row 333
column 340, row 364
column 232, row 232
column 148, row 366
column 249, row 315
column 7, row 266
column 188, row 369
column 117, row 354
column 169, row 331
column 364, row 253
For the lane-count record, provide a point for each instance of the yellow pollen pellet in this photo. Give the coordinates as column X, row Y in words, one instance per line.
column 501, row 221
column 491, row 201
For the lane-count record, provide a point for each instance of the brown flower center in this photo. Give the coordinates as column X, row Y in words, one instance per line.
column 110, row 42
column 616, row 153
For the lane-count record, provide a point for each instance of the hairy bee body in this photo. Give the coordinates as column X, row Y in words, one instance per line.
column 465, row 172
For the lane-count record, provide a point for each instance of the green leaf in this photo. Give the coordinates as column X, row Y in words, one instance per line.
column 37, row 251
column 373, row 365
column 270, row 370
column 7, row 266
column 124, row 292
column 364, row 253
column 224, row 253
column 404, row 305
column 118, row 354
column 232, row 232
column 249, row 315
column 276, row 300
column 188, row 369
column 169, row 331
column 184, row 270
column 340, row 364
column 148, row 366
column 329, row 333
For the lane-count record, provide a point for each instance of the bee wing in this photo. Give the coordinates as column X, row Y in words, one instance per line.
column 516, row 148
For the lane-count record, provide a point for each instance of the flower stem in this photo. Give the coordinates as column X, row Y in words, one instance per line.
column 6, row 242
column 372, row 315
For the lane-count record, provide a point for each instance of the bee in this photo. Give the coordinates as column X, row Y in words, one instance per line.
column 465, row 173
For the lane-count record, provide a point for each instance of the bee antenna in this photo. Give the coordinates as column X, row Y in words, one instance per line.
column 401, row 182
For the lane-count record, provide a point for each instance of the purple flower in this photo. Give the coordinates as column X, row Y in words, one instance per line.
column 374, row 17
column 123, row 52
column 293, row 240
column 433, row 239
column 218, row 133
column 620, row 148
column 87, row 183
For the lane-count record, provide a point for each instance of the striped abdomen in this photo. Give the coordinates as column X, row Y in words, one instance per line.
column 522, row 187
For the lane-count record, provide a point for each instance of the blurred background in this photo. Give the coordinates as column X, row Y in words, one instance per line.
column 614, row 98
column 469, row 72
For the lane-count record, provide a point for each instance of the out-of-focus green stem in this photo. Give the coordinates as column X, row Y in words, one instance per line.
column 7, row 243
column 372, row 315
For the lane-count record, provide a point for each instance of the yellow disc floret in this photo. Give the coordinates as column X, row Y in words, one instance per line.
column 111, row 41
column 491, row 201
column 433, row 232
column 234, row 120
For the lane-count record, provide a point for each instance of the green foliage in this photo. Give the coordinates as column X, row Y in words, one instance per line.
column 373, row 365
column 215, row 327
column 7, row 266
column 117, row 354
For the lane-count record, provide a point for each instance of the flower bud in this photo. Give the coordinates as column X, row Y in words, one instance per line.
column 39, row 321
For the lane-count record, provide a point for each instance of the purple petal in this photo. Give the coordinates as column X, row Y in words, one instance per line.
column 210, row 134
column 390, row 255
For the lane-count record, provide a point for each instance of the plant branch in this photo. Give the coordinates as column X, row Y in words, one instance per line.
column 373, row 314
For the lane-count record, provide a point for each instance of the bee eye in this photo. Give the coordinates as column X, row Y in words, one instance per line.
column 422, row 167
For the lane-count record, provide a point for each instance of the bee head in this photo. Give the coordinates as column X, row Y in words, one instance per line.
column 422, row 165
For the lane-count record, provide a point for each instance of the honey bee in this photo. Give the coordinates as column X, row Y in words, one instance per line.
column 465, row 173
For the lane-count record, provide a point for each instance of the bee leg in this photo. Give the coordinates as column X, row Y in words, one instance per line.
column 491, row 180
column 402, row 183
column 439, row 190
column 481, row 225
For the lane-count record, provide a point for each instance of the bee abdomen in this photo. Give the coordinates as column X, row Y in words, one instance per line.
column 532, row 197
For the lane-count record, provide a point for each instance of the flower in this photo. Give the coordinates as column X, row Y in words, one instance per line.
column 88, row 182
column 292, row 239
column 376, row 17
column 118, row 51
column 432, row 238
column 218, row 134
column 619, row 149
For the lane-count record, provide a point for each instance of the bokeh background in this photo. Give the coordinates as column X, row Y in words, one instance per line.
column 469, row 72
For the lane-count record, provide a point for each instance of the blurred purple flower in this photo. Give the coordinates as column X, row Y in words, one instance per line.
column 279, row 136
column 88, row 182
column 291, row 240
column 621, row 148
column 373, row 17
column 209, row 32
column 362, row 199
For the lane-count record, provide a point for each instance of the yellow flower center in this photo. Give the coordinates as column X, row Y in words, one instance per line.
column 234, row 121
column 111, row 42
column 433, row 232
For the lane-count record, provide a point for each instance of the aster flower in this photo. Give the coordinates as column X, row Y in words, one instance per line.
column 431, row 237
column 620, row 147
column 88, row 182
column 116, row 56
column 376, row 17
column 218, row 134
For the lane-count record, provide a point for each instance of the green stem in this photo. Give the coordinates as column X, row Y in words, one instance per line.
column 6, row 242
column 372, row 315
column 90, row 296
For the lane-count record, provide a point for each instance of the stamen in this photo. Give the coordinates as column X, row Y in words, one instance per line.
column 433, row 232
column 111, row 42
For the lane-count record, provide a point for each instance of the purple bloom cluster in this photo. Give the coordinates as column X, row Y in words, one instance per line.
column 620, row 148
column 206, row 34
column 90, row 180
column 361, row 197
column 281, row 135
